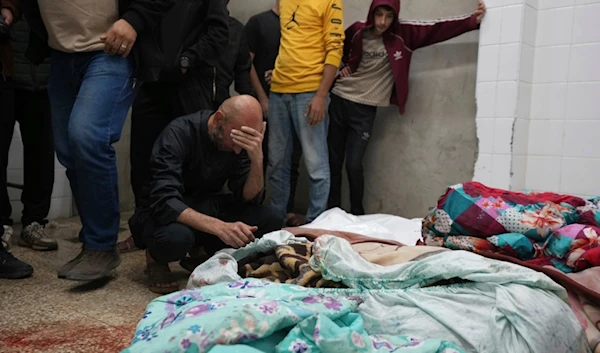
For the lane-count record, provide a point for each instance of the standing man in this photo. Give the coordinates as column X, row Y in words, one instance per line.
column 264, row 33
column 312, row 40
column 91, row 89
column 31, row 108
column 10, row 266
column 377, row 57
column 234, row 66
column 181, row 93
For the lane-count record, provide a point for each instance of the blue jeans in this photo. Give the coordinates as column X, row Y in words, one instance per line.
column 90, row 95
column 287, row 113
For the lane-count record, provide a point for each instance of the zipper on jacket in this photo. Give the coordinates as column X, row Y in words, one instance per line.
column 214, row 97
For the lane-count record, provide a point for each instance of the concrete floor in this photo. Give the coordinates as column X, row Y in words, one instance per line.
column 47, row 314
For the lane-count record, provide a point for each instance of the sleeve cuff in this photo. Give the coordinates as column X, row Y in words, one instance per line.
column 333, row 58
column 171, row 211
column 135, row 20
column 473, row 22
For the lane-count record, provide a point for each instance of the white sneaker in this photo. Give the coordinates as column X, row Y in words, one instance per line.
column 6, row 236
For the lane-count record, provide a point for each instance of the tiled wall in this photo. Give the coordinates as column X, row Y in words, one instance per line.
column 554, row 141
column 500, row 48
column 61, row 195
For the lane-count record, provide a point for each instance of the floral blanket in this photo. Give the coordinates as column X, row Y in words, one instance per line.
column 408, row 307
column 543, row 229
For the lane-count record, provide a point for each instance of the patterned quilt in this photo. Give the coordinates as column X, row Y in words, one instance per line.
column 499, row 307
column 544, row 229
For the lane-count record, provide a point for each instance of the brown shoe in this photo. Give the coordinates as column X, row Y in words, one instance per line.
column 90, row 265
column 34, row 236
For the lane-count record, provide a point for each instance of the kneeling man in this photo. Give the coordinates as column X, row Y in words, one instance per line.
column 184, row 207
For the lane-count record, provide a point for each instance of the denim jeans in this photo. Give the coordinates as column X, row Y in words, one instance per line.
column 90, row 95
column 287, row 114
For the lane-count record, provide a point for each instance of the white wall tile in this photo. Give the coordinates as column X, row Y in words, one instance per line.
column 14, row 176
column 533, row 3
column 586, row 28
column 584, row 62
column 543, row 173
column 494, row 3
column 526, row 64
column 17, row 210
column 580, row 176
column 506, row 99
column 550, row 4
column 519, row 173
column 503, row 135
column 501, row 171
column 513, row 2
column 530, row 25
column 582, row 139
column 15, row 155
column 583, row 101
column 485, row 135
column 510, row 55
column 524, row 100
column 551, row 64
column 483, row 169
column 491, row 27
column 512, row 17
column 57, row 163
column 582, row 2
column 487, row 63
column 60, row 207
column 520, row 138
column 548, row 101
column 62, row 188
column 545, row 137
column 485, row 96
column 554, row 27
column 16, row 132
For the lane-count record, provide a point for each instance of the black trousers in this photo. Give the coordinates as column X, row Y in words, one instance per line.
column 155, row 106
column 294, row 173
column 350, row 129
column 32, row 111
column 170, row 243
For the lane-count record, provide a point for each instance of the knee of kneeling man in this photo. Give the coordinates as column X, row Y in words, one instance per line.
column 170, row 247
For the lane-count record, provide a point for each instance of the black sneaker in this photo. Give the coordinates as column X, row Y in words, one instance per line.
column 13, row 268
column 91, row 265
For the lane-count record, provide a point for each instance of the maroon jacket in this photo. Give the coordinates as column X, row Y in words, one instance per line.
column 401, row 40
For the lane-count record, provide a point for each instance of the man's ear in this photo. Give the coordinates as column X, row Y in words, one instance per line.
column 219, row 117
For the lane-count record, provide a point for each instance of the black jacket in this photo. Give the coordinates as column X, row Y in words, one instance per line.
column 235, row 65
column 185, row 162
column 26, row 75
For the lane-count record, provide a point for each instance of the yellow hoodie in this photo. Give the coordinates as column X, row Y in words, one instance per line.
column 312, row 35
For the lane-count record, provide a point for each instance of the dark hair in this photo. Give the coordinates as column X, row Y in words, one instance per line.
column 386, row 7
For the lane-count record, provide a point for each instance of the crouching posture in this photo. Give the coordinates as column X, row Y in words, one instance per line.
column 183, row 206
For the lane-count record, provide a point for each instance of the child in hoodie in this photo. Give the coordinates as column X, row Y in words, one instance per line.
column 374, row 73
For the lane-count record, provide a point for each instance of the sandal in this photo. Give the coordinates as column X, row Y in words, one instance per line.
column 127, row 245
column 161, row 279
column 294, row 220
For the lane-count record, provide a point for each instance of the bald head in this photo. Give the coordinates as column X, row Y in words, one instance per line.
column 243, row 110
column 233, row 114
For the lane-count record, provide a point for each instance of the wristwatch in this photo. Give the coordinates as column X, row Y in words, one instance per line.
column 184, row 62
